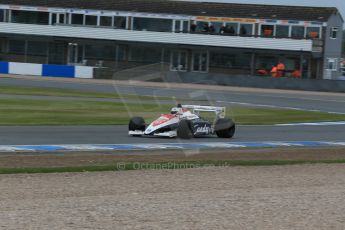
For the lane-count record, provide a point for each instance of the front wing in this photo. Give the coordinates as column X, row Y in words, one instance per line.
column 142, row 133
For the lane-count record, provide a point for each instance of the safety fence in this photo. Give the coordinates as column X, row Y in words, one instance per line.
column 48, row 70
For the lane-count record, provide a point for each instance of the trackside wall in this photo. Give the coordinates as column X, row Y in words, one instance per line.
column 258, row 82
column 46, row 70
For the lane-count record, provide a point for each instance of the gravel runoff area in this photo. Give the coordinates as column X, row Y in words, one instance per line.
column 266, row 197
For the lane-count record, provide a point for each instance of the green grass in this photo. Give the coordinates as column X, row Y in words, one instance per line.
column 165, row 165
column 75, row 112
column 35, row 91
column 268, row 116
column 43, row 112
column 69, row 112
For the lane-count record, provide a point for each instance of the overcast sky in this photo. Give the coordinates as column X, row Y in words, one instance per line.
column 340, row 4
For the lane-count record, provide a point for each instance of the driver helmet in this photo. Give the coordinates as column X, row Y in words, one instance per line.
column 175, row 110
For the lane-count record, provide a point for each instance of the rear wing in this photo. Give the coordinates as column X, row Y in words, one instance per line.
column 219, row 111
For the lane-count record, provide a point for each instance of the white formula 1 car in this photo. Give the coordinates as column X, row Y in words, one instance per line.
column 184, row 122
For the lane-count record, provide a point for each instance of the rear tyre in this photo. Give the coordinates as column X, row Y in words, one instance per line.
column 184, row 130
column 137, row 123
column 225, row 128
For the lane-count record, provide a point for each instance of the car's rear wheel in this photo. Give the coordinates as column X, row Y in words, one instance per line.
column 184, row 130
column 137, row 124
column 225, row 128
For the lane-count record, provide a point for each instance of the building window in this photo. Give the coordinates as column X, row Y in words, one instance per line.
column 185, row 26
column 200, row 62
column 30, row 17
column 77, row 19
column 332, row 64
column 37, row 48
column 201, row 27
column 91, row 20
column 122, row 52
column 58, row 18
column 179, row 61
column 267, row 30
column 177, row 28
column 152, row 24
column 120, row 22
column 181, row 26
column 100, row 52
column 334, row 32
column 313, row 32
column 230, row 29
column 16, row 46
column 106, row 21
column 222, row 60
column 145, row 54
column 230, row 62
column 342, row 67
column 282, row 31
column 266, row 62
column 246, row 29
column 2, row 14
column 215, row 27
column 297, row 32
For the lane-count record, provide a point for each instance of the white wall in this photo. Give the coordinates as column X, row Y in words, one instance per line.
column 25, row 68
column 83, row 72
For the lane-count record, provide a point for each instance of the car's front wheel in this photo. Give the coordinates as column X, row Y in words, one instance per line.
column 137, row 124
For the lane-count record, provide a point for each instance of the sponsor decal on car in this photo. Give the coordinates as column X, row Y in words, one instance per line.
column 203, row 129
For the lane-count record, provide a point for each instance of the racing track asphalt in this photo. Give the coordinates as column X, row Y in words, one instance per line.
column 45, row 135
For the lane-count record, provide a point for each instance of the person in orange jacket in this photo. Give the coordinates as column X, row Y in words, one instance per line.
column 296, row 73
column 262, row 72
column 281, row 69
column 274, row 71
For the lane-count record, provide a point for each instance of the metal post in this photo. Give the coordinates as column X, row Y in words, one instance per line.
column 47, row 59
column 309, row 67
column 252, row 65
column 117, row 57
column 83, row 54
column 98, row 20
column 70, row 18
column 162, row 63
column 9, row 15
column 301, row 65
column 76, row 49
column 26, row 51
column 318, row 70
column 5, row 16
column 50, row 18
column 173, row 26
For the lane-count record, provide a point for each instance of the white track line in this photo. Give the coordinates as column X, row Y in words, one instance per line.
column 277, row 107
column 314, row 124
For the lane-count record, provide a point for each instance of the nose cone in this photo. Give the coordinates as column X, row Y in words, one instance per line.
column 149, row 130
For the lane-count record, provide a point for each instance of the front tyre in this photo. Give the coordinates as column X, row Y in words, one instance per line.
column 184, row 130
column 225, row 128
column 137, row 124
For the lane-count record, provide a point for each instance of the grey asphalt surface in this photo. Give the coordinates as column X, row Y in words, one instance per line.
column 40, row 135
column 11, row 135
